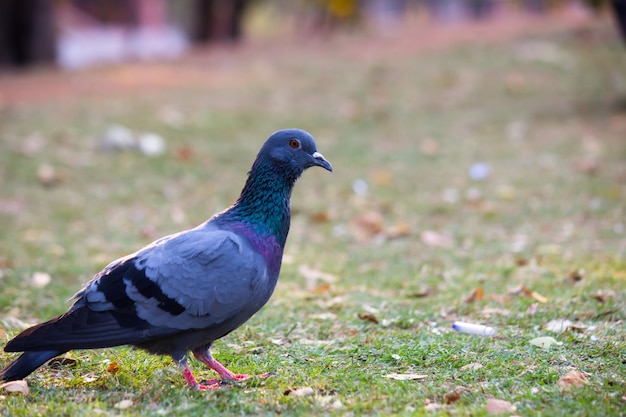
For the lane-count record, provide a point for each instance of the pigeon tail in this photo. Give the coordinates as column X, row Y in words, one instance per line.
column 26, row 364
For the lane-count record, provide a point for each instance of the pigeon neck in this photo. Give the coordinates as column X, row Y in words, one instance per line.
column 264, row 203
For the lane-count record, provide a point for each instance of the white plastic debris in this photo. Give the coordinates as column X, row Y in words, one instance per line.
column 151, row 144
column 360, row 187
column 479, row 171
column 117, row 138
column 471, row 328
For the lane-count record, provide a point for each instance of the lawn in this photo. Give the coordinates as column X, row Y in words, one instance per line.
column 478, row 182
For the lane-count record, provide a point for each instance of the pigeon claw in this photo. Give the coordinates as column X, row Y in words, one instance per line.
column 207, row 387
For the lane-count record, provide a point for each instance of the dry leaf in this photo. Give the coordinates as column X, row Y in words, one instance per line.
column 534, row 295
column 17, row 387
column 558, row 326
column 405, row 377
column 367, row 225
column 124, row 404
column 322, row 288
column 436, row 239
column 588, row 165
column 299, row 392
column 184, row 153
column 422, row 292
column 320, row 217
column 454, row 395
column 433, row 406
column 40, row 279
column 381, row 177
column 312, row 275
column 576, row 275
column 477, row 294
column 572, row 379
column 544, row 342
column 90, row 377
column 368, row 317
column 471, row 367
column 501, row 299
column 113, row 367
column 429, row 146
column 532, row 309
column 47, row 175
column 602, row 296
column 528, row 293
column 400, row 229
column 60, row 362
column 495, row 406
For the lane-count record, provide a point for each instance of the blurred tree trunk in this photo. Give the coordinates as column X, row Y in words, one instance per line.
column 619, row 9
column 218, row 20
column 27, row 32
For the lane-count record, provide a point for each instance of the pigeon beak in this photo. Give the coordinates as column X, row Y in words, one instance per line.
column 320, row 161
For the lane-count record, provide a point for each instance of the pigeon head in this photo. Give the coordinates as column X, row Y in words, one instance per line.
column 290, row 152
column 264, row 201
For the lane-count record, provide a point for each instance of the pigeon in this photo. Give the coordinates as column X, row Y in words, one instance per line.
column 184, row 291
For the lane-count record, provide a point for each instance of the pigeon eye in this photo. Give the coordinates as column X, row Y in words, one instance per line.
column 294, row 143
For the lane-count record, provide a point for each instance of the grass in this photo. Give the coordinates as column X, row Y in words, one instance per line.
column 550, row 217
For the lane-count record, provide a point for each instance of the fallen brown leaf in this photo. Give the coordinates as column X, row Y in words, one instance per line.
column 454, row 395
column 422, row 292
column 367, row 225
column 184, row 153
column 16, row 387
column 434, row 406
column 113, row 367
column 521, row 262
column 576, row 275
column 501, row 299
column 381, row 177
column 471, row 367
column 322, row 288
column 320, row 217
column 368, row 317
column 477, row 294
column 528, row 293
column 436, row 239
column 124, row 404
column 558, row 325
column 589, row 165
column 313, row 275
column 40, row 279
column 299, row 392
column 603, row 296
column 429, row 146
column 59, row 362
column 535, row 295
column 572, row 379
column 495, row 406
column 532, row 309
column 400, row 229
column 48, row 175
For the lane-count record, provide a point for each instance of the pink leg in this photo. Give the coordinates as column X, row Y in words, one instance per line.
column 191, row 381
column 204, row 356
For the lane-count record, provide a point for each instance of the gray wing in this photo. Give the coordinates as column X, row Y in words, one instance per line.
column 212, row 274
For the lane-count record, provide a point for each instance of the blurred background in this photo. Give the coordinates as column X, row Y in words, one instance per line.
column 81, row 33
column 479, row 154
